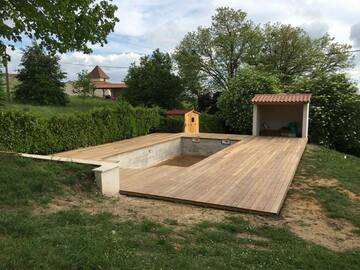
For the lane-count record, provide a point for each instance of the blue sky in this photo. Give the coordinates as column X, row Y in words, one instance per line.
column 146, row 25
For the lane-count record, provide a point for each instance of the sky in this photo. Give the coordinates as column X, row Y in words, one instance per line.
column 147, row 25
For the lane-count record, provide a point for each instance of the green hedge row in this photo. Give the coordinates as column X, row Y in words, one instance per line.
column 208, row 123
column 23, row 132
column 211, row 123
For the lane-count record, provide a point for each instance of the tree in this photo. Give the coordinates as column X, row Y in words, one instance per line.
column 219, row 51
column 235, row 103
column 335, row 111
column 291, row 54
column 153, row 83
column 84, row 86
column 40, row 79
column 211, row 58
column 58, row 25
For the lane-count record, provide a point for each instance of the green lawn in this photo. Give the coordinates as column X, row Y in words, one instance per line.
column 330, row 165
column 77, row 104
column 75, row 239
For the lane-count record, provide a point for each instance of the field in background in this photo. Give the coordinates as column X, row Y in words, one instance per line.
column 77, row 104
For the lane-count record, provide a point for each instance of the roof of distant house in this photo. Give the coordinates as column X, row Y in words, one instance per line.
column 109, row 85
column 281, row 98
column 98, row 73
column 180, row 111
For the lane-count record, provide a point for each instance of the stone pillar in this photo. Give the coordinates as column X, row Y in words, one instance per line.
column 305, row 120
column 256, row 121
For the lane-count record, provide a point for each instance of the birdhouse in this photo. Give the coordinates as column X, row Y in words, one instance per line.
column 191, row 119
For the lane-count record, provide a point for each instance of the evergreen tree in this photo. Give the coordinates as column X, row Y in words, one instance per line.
column 40, row 79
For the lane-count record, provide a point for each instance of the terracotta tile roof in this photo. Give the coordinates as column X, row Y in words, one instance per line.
column 179, row 111
column 109, row 85
column 98, row 73
column 281, row 98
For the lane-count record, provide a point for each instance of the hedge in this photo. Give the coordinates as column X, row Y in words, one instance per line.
column 212, row 123
column 208, row 123
column 23, row 132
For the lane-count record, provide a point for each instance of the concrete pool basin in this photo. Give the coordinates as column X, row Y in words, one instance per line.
column 233, row 172
column 177, row 148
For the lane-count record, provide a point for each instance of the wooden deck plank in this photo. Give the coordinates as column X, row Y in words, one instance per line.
column 253, row 174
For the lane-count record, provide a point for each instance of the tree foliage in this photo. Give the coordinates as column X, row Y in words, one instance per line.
column 215, row 54
column 40, row 79
column 153, row 83
column 291, row 54
column 83, row 86
column 59, row 25
column 335, row 111
column 235, row 103
column 211, row 57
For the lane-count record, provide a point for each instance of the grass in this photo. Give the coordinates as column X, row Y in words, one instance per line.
column 24, row 181
column 74, row 239
column 77, row 104
column 326, row 164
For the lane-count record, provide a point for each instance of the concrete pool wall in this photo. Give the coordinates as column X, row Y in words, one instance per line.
column 154, row 154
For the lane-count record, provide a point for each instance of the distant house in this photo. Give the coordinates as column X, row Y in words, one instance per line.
column 102, row 83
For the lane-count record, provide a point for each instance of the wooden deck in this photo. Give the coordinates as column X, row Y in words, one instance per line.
column 253, row 174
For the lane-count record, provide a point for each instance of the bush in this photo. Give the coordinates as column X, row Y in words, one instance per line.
column 334, row 112
column 235, row 103
column 23, row 132
column 172, row 125
column 211, row 123
column 208, row 123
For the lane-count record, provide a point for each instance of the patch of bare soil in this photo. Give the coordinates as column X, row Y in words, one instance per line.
column 132, row 207
column 303, row 215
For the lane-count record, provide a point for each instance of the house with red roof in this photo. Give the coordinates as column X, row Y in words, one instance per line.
column 103, row 85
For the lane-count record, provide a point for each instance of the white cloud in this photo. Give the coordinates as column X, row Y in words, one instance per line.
column 117, row 61
column 75, row 62
column 146, row 25
column 316, row 29
column 355, row 34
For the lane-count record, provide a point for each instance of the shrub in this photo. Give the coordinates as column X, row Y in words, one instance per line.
column 23, row 132
column 211, row 123
column 235, row 103
column 172, row 125
column 334, row 112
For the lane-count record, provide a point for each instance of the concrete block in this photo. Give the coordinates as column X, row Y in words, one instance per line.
column 108, row 179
